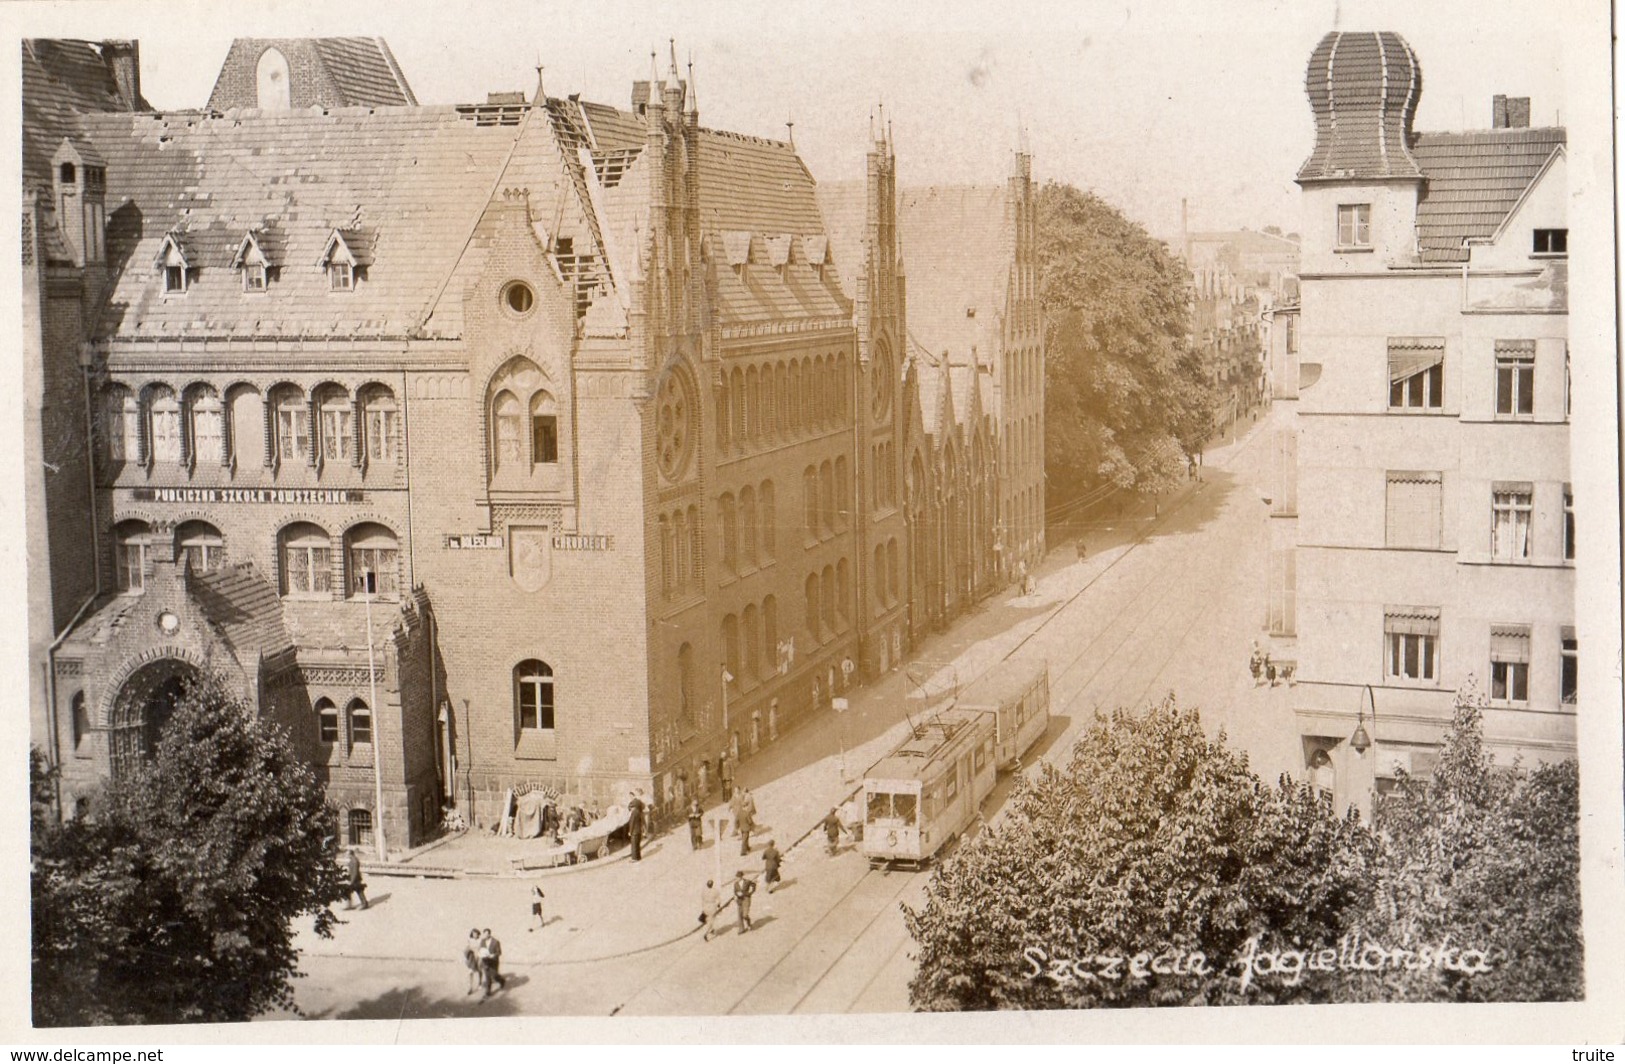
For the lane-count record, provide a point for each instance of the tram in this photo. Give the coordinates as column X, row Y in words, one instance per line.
column 928, row 791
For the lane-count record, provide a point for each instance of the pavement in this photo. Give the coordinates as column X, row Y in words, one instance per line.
column 607, row 914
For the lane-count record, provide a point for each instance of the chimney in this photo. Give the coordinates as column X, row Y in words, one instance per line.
column 1498, row 112
column 1510, row 112
column 123, row 59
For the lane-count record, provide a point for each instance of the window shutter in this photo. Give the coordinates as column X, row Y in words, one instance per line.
column 1410, row 355
column 1411, row 620
column 1509, row 643
column 1415, row 509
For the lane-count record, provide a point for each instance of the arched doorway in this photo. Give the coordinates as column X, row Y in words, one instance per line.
column 142, row 707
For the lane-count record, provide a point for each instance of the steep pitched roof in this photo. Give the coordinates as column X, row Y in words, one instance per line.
column 61, row 80
column 416, row 178
column 335, row 72
column 845, row 209
column 959, row 248
column 1473, row 181
column 244, row 607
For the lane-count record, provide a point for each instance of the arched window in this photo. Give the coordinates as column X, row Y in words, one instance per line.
column 271, row 80
column 797, row 412
column 725, row 419
column 736, row 386
column 843, row 589
column 165, row 412
column 121, row 420
column 747, row 527
column 826, row 593
column 544, row 429
column 813, row 612
column 753, row 406
column 208, row 425
column 769, row 401
column 380, row 426
column 770, row 633
column 533, row 696
column 668, row 568
column 372, row 548
column 245, row 424
column 826, row 495
column 730, row 532
column 338, row 425
column 130, row 542
column 730, row 647
column 685, row 685
column 891, row 568
column 879, row 577
column 506, row 444
column 80, row 715
column 683, row 550
column 199, row 545
column 751, row 622
column 360, row 825
column 360, row 724
column 770, row 521
column 307, row 560
column 809, row 491
column 843, row 490
column 327, row 721
column 292, row 426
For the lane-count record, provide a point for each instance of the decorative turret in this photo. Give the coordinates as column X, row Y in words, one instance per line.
column 1363, row 89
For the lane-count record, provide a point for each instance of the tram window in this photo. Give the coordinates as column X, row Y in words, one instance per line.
column 879, row 805
column 903, row 807
column 950, row 786
column 981, row 759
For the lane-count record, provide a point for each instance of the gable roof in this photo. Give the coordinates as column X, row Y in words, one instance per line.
column 844, row 206
column 61, row 80
column 333, row 72
column 1473, row 181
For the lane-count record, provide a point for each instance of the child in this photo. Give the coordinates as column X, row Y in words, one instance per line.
column 536, row 897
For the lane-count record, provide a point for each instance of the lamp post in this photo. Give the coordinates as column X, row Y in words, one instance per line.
column 370, row 583
column 1360, row 741
column 727, row 678
column 468, row 745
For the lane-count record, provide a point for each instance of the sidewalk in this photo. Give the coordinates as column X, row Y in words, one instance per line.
column 612, row 907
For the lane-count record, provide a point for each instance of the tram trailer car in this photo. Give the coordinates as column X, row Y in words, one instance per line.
column 928, row 790
column 1017, row 697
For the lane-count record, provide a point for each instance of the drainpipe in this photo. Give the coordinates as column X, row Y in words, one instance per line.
column 1467, row 243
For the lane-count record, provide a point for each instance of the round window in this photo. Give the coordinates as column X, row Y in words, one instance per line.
column 518, row 297
column 674, row 429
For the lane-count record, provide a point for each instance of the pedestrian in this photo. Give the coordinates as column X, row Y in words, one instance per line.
column 355, row 887
column 1083, row 549
column 696, row 824
column 471, row 959
column 634, row 824
column 491, row 962
column 711, row 906
column 1269, row 669
column 832, row 831
column 725, row 773
column 770, row 866
column 744, row 887
column 536, row 898
column 1255, row 664
column 747, row 820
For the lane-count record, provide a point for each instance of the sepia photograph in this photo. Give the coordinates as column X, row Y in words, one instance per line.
column 711, row 522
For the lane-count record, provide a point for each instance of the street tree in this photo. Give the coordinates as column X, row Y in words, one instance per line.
column 1128, row 397
column 1150, row 862
column 173, row 901
column 1481, row 857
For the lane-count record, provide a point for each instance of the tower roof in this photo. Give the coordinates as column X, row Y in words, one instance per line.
column 1363, row 89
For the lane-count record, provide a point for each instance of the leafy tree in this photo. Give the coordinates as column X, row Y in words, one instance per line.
column 174, row 903
column 1153, row 841
column 1481, row 857
column 1128, row 397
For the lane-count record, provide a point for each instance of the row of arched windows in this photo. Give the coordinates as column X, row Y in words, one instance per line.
column 749, row 526
column 826, row 493
column 682, row 549
column 352, row 728
column 774, row 401
column 307, row 563
column 883, row 478
column 285, row 426
column 750, row 646
column 828, row 601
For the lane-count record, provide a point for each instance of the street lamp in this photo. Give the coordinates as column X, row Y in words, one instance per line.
column 727, row 678
column 370, row 585
column 1361, row 740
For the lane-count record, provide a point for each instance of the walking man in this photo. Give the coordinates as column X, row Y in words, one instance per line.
column 696, row 824
column 770, row 866
column 536, row 899
column 491, row 962
column 357, row 888
column 747, row 820
column 744, row 887
column 832, row 831
column 634, row 824
column 710, row 907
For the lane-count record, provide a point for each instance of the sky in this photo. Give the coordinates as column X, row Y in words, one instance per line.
column 1146, row 103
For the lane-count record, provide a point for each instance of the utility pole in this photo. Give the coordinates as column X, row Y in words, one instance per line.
column 371, row 583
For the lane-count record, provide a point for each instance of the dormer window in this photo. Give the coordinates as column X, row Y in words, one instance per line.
column 1554, row 242
column 253, row 261
column 171, row 261
column 347, row 253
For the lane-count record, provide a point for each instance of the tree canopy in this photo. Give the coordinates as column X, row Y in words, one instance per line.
column 1128, row 398
column 173, row 901
column 1154, row 847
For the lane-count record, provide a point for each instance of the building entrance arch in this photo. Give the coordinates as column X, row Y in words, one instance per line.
column 142, row 707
